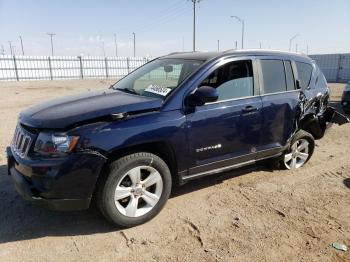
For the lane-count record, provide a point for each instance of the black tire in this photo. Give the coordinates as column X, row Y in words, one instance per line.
column 115, row 173
column 300, row 135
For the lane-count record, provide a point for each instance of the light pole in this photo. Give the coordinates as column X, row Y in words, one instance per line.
column 20, row 38
column 51, row 36
column 242, row 23
column 218, row 45
column 134, row 44
column 11, row 51
column 116, row 45
column 291, row 40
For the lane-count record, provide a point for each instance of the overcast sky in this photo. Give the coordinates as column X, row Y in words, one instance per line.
column 164, row 26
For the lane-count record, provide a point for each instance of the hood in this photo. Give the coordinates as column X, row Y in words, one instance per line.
column 67, row 111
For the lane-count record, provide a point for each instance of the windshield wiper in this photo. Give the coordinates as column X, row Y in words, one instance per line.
column 128, row 90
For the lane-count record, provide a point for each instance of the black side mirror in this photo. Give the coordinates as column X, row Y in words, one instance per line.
column 203, row 94
column 297, row 84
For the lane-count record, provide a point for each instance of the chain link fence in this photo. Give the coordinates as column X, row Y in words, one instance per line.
column 24, row 68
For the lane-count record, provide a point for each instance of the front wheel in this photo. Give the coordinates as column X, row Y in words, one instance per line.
column 301, row 150
column 135, row 190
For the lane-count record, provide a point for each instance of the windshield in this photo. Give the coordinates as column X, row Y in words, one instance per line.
column 158, row 78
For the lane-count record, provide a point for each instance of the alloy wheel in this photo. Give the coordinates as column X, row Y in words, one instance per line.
column 138, row 192
column 299, row 154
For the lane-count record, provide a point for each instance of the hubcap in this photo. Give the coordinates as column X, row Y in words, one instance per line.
column 138, row 191
column 298, row 155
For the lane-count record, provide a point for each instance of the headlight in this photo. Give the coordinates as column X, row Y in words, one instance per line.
column 55, row 144
column 345, row 103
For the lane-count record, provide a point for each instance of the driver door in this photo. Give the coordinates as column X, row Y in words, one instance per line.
column 226, row 132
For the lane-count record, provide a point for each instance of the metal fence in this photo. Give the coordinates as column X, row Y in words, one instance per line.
column 22, row 68
column 335, row 67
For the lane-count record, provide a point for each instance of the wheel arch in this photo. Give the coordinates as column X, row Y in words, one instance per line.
column 162, row 149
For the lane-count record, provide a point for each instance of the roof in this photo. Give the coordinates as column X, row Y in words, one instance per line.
column 205, row 56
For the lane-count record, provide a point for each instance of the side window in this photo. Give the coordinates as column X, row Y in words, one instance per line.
column 304, row 74
column 273, row 76
column 289, row 75
column 232, row 80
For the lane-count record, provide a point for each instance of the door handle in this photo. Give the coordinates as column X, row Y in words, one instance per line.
column 249, row 109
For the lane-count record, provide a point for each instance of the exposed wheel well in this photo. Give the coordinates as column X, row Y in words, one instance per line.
column 312, row 124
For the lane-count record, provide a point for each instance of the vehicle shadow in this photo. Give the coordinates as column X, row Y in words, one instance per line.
column 20, row 220
column 346, row 182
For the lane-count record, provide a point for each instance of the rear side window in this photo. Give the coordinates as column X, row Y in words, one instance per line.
column 289, row 75
column 273, row 76
column 304, row 74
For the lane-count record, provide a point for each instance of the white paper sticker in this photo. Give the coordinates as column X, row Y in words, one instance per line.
column 159, row 90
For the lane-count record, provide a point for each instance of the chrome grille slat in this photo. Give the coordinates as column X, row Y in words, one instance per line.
column 21, row 142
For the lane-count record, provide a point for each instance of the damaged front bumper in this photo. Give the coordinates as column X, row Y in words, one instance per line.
column 58, row 183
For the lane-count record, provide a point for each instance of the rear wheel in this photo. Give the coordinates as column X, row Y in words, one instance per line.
column 301, row 150
column 135, row 190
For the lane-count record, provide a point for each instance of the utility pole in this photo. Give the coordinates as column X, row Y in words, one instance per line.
column 260, row 45
column 51, row 36
column 242, row 23
column 2, row 50
column 11, row 50
column 307, row 49
column 296, row 48
column 218, row 45
column 20, row 38
column 103, row 48
column 194, row 23
column 134, row 44
column 291, row 40
column 116, row 45
column 236, row 44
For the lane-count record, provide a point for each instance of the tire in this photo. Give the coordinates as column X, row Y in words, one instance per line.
column 140, row 183
column 300, row 151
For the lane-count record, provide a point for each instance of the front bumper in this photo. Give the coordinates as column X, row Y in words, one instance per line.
column 58, row 184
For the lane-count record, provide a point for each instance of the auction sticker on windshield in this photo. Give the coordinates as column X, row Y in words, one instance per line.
column 159, row 90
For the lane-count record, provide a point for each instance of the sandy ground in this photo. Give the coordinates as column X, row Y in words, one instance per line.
column 251, row 214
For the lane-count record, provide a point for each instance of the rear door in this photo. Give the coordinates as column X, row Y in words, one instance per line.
column 280, row 100
column 226, row 132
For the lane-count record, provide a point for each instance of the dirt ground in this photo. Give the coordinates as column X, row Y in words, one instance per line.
column 251, row 214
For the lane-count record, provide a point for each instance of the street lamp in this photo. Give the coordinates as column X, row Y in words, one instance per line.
column 291, row 40
column 242, row 23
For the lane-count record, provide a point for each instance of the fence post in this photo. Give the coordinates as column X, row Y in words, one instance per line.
column 106, row 66
column 50, row 68
column 128, row 64
column 81, row 67
column 16, row 69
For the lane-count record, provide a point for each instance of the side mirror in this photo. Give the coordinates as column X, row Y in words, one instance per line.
column 203, row 94
column 297, row 84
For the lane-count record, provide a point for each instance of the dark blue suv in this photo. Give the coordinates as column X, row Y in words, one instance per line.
column 177, row 118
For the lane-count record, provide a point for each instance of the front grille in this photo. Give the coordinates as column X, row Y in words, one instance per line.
column 21, row 142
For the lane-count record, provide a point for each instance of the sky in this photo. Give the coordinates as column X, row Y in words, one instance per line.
column 83, row 27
